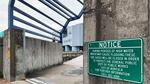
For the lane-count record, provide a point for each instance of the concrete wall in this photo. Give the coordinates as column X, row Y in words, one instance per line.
column 23, row 54
column 41, row 54
column 114, row 19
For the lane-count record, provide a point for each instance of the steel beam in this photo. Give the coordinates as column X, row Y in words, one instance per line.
column 45, row 3
column 63, row 6
column 36, row 20
column 34, row 33
column 27, row 4
column 80, row 2
column 34, row 26
column 10, row 13
column 58, row 8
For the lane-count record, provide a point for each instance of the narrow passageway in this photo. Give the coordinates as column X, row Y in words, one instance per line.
column 71, row 72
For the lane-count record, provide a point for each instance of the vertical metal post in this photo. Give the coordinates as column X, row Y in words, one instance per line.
column 65, row 26
column 10, row 13
column 81, row 13
column 61, row 38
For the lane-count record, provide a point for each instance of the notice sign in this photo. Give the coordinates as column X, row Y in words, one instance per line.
column 117, row 59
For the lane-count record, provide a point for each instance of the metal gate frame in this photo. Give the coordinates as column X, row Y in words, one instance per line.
column 56, row 4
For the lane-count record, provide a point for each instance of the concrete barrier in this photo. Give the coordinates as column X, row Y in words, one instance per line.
column 23, row 54
column 41, row 54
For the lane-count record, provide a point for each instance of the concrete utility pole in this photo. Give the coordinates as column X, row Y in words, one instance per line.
column 115, row 19
column 13, row 64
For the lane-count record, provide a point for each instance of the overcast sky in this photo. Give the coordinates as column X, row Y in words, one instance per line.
column 72, row 4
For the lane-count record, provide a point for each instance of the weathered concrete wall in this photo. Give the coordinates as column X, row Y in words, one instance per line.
column 23, row 54
column 13, row 54
column 41, row 54
column 114, row 19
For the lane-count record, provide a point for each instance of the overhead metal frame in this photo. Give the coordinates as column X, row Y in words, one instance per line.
column 54, row 5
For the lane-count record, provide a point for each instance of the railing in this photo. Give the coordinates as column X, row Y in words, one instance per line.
column 55, row 5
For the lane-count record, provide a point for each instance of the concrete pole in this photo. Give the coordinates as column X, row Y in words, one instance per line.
column 13, row 62
column 115, row 19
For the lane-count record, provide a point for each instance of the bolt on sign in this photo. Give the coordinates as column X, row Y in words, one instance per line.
column 117, row 59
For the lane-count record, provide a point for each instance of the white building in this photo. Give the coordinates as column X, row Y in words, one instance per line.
column 73, row 38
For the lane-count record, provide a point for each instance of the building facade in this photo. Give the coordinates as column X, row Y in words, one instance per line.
column 73, row 38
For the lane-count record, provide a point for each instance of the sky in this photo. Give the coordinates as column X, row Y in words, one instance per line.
column 3, row 15
column 72, row 4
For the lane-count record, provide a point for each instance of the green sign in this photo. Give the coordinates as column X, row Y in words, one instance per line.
column 117, row 59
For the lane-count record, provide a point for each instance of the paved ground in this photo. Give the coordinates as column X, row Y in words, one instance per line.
column 3, row 82
column 70, row 72
column 76, row 61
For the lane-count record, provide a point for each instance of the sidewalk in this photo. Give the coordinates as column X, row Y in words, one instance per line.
column 70, row 72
